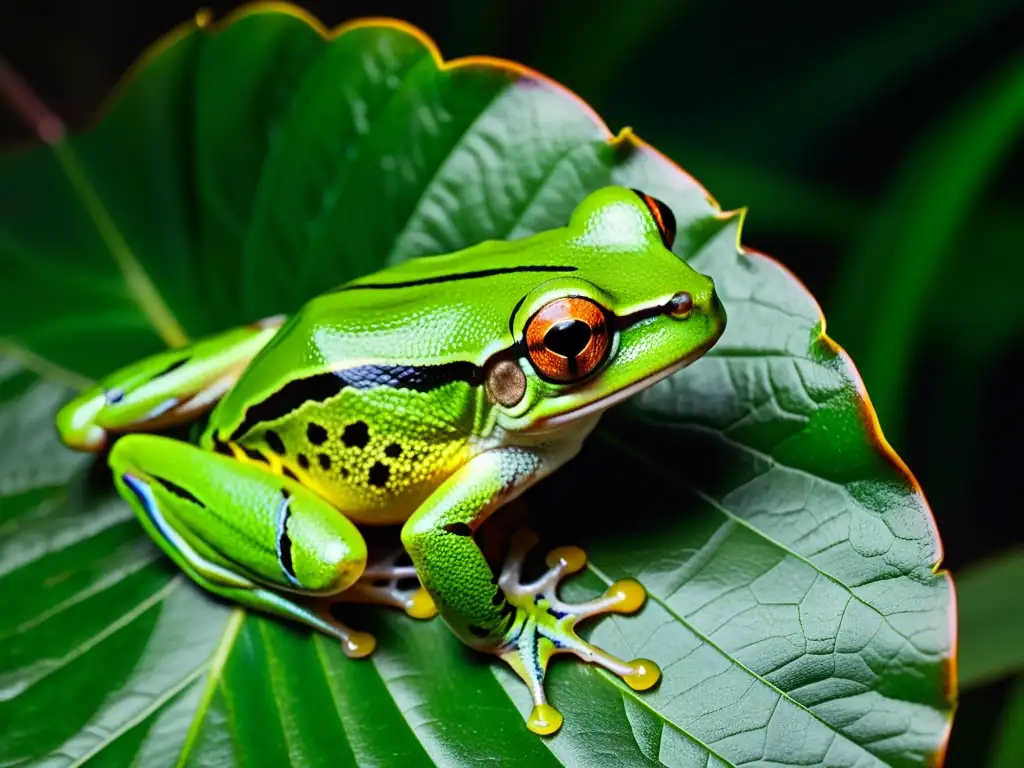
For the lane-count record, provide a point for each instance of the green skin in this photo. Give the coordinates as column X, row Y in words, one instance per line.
column 409, row 396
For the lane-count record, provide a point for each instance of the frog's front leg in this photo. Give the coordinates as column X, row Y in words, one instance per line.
column 524, row 624
column 242, row 533
column 163, row 390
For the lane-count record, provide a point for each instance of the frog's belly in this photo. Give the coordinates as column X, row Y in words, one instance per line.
column 375, row 454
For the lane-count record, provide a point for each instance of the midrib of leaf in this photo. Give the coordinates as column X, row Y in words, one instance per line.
column 317, row 649
column 341, row 174
column 548, row 174
column 100, row 586
column 317, row 227
column 286, row 735
column 47, row 369
column 215, row 671
column 139, row 285
column 91, row 642
column 442, row 165
column 155, row 705
column 670, row 479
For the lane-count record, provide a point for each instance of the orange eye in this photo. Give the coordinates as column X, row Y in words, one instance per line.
column 663, row 218
column 567, row 339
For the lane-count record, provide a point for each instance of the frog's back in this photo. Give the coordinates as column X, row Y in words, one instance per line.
column 373, row 394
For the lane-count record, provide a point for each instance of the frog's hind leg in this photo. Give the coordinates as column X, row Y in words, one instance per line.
column 382, row 583
column 244, row 534
column 530, row 644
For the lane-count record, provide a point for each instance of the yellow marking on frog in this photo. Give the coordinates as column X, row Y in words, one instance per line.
column 421, row 605
column 646, row 675
column 629, row 595
column 573, row 559
column 544, row 720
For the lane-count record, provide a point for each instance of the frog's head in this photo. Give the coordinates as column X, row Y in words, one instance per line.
column 629, row 314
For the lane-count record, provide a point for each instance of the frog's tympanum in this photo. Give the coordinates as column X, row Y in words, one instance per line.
column 428, row 394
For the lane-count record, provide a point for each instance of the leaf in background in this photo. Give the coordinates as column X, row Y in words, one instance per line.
column 991, row 619
column 779, row 202
column 603, row 42
column 1009, row 746
column 790, row 557
column 869, row 65
column 881, row 290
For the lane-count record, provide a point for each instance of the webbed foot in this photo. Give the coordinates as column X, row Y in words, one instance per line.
column 545, row 625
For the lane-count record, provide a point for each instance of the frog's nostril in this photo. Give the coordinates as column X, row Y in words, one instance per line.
column 680, row 305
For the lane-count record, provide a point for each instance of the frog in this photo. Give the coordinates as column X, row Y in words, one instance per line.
column 426, row 395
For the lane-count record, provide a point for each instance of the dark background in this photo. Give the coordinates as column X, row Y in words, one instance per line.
column 815, row 116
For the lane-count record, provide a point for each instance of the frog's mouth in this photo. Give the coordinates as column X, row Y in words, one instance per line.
column 601, row 404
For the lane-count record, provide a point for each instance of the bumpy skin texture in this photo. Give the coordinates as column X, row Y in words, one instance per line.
column 430, row 393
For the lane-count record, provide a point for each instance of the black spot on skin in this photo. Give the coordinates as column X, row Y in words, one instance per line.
column 407, row 584
column 508, row 613
column 325, row 461
column 508, row 610
column 556, row 614
column 356, row 435
column 178, row 491
column 303, row 461
column 379, row 474
column 317, row 435
column 323, row 386
column 255, row 455
column 274, row 442
column 344, row 472
column 393, row 451
column 284, row 543
column 288, row 473
column 479, row 631
column 498, row 597
column 172, row 367
column 459, row 529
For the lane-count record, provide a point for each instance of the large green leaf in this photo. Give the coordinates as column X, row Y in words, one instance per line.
column 795, row 605
column 991, row 619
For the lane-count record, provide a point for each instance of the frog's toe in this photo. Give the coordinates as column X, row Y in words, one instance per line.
column 384, row 582
column 546, row 625
column 354, row 644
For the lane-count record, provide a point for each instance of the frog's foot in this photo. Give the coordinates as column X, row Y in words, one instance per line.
column 383, row 583
column 545, row 625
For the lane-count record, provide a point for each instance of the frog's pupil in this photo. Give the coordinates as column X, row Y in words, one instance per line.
column 568, row 338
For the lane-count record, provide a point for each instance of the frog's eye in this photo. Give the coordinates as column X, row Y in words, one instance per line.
column 567, row 338
column 663, row 218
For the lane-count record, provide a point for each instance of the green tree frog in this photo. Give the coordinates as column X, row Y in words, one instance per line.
column 428, row 394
